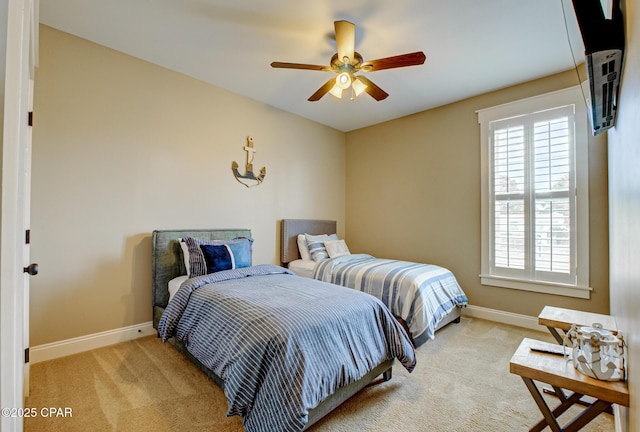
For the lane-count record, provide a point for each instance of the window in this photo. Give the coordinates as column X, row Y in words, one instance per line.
column 535, row 211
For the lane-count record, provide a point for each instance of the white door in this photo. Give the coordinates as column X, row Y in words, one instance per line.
column 19, row 24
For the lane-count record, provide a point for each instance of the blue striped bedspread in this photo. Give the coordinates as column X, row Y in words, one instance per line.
column 281, row 343
column 420, row 294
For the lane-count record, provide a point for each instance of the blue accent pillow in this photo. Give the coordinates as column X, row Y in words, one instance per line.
column 241, row 252
column 217, row 257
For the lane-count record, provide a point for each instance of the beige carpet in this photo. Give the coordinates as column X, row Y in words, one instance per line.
column 461, row 383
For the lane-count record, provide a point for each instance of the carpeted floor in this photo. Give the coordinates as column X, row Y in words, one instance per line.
column 461, row 383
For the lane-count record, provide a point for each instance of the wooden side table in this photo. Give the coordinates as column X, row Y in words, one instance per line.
column 555, row 319
column 556, row 371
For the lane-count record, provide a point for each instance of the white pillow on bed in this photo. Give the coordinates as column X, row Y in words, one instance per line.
column 185, row 254
column 336, row 248
column 302, row 247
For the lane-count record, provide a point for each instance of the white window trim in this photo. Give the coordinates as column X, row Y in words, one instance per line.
column 572, row 95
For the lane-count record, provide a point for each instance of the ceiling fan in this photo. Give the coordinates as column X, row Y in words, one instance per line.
column 347, row 62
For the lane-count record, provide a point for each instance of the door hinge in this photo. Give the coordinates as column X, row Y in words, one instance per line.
column 27, row 237
column 26, row 355
column 30, row 120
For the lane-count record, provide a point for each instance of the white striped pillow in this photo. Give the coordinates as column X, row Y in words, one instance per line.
column 316, row 246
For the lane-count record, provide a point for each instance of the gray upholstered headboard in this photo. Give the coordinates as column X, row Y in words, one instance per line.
column 167, row 261
column 290, row 230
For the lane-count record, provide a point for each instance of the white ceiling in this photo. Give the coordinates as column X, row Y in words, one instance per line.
column 472, row 46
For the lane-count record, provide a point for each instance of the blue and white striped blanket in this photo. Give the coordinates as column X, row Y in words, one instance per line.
column 281, row 343
column 420, row 294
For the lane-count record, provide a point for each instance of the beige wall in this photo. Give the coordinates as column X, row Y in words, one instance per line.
column 413, row 192
column 624, row 193
column 122, row 147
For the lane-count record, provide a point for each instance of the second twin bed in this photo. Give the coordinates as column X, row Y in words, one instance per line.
column 424, row 297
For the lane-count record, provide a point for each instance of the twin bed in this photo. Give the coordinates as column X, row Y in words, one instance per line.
column 423, row 297
column 285, row 349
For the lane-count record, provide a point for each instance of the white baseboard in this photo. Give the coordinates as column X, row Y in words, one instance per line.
column 518, row 320
column 620, row 418
column 80, row 344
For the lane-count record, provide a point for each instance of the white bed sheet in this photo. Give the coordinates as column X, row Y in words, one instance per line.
column 302, row 267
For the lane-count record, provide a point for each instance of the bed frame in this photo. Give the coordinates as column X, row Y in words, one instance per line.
column 167, row 263
column 289, row 252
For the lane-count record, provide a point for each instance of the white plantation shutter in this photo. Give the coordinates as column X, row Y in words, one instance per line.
column 533, row 196
column 554, row 197
column 508, row 186
column 530, row 206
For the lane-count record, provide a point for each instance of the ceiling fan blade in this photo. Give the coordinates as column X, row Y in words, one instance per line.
column 411, row 59
column 300, row 66
column 345, row 39
column 322, row 90
column 373, row 90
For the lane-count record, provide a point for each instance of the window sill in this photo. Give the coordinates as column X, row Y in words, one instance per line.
column 541, row 287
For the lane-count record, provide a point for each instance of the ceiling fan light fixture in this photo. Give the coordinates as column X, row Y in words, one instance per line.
column 358, row 86
column 336, row 91
column 343, row 80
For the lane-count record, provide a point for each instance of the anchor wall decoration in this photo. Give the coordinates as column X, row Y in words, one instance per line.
column 249, row 179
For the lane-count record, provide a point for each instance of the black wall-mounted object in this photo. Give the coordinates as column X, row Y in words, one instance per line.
column 603, row 40
column 598, row 32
